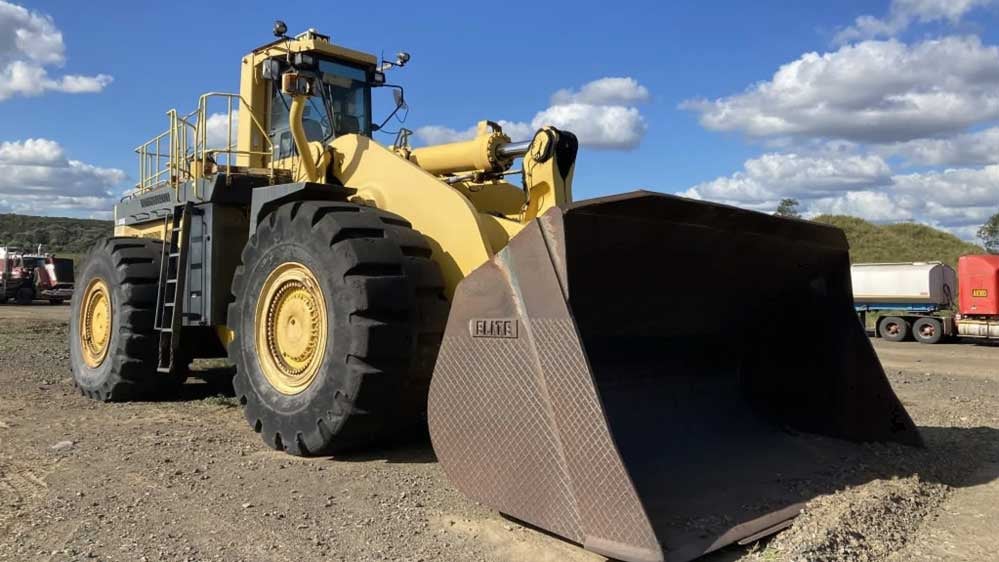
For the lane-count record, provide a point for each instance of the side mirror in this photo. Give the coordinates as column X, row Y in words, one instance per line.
column 400, row 102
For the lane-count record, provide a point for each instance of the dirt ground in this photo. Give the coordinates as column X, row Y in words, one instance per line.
column 188, row 480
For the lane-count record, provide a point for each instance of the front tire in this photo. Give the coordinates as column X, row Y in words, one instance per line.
column 113, row 345
column 338, row 317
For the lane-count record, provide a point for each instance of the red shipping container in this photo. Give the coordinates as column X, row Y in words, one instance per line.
column 978, row 285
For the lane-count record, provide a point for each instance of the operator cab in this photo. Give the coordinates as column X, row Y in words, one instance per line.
column 340, row 103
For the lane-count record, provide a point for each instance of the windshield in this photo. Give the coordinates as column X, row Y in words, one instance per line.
column 31, row 263
column 341, row 106
column 346, row 95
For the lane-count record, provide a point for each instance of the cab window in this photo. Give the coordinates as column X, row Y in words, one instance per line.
column 340, row 106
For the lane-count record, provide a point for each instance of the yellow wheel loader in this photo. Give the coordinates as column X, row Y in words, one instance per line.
column 641, row 374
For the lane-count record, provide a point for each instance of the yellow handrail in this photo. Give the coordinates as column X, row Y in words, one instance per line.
column 187, row 156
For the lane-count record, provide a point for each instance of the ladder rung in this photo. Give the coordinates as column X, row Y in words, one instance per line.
column 168, row 304
column 167, row 330
column 171, row 281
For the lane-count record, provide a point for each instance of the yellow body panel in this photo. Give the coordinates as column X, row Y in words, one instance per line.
column 441, row 213
column 155, row 229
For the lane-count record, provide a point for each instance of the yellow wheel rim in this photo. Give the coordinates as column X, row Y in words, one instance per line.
column 291, row 328
column 95, row 323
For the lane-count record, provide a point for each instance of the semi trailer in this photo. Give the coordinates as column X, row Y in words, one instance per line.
column 928, row 301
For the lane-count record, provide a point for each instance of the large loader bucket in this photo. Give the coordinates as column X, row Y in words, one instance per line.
column 655, row 377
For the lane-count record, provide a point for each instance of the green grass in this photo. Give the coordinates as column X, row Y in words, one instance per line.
column 900, row 242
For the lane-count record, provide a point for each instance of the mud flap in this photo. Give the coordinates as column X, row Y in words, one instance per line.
column 655, row 378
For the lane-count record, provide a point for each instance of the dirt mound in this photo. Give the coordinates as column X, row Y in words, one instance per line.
column 860, row 524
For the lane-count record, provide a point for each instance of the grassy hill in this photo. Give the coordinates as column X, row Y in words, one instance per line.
column 56, row 234
column 900, row 242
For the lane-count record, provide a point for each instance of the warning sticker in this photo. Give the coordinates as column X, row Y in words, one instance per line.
column 980, row 293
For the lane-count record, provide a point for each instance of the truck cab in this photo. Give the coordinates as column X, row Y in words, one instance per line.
column 26, row 276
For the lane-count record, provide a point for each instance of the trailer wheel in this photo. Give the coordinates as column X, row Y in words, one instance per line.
column 24, row 296
column 893, row 328
column 338, row 314
column 113, row 345
column 927, row 330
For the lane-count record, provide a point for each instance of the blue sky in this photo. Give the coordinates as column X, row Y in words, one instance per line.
column 890, row 118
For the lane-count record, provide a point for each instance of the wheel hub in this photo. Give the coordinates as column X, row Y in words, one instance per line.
column 291, row 328
column 95, row 323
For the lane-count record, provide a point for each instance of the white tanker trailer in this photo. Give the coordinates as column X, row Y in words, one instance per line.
column 929, row 301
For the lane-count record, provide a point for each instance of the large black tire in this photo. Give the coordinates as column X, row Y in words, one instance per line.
column 25, row 295
column 130, row 268
column 927, row 330
column 894, row 328
column 385, row 311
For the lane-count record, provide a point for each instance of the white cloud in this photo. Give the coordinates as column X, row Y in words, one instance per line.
column 36, row 177
column 597, row 126
column 875, row 91
column 29, row 42
column 870, row 205
column 771, row 177
column 904, row 13
column 218, row 129
column 958, row 199
column 601, row 114
column 32, row 151
column 967, row 149
column 605, row 91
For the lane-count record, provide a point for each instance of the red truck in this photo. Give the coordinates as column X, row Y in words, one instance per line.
column 916, row 300
column 978, row 296
column 27, row 276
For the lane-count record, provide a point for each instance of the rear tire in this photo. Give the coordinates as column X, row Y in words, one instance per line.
column 927, row 330
column 25, row 296
column 374, row 316
column 894, row 328
column 129, row 270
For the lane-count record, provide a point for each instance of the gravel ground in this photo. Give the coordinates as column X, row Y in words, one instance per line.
column 187, row 480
